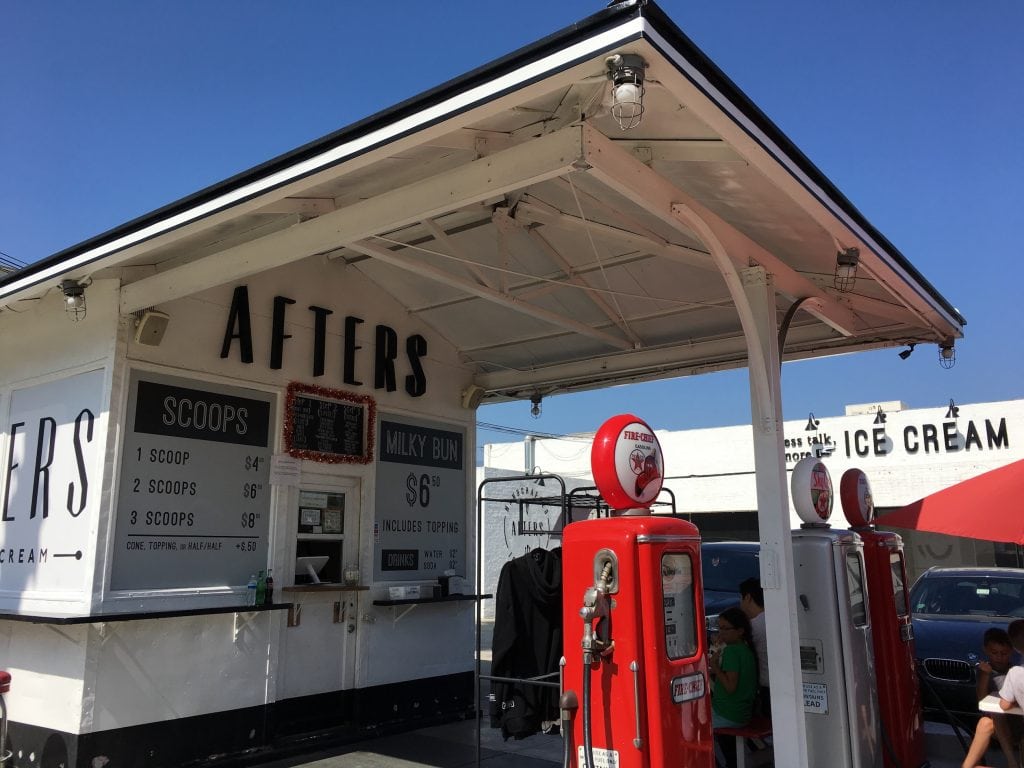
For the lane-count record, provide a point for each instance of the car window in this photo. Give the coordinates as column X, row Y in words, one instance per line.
column 723, row 570
column 974, row 596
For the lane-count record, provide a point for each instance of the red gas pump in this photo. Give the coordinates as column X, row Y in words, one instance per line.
column 899, row 694
column 633, row 618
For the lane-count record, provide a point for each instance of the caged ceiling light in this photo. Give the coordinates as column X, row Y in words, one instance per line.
column 74, row 299
column 947, row 355
column 846, row 269
column 626, row 71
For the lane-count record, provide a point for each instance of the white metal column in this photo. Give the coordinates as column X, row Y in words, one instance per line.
column 774, row 525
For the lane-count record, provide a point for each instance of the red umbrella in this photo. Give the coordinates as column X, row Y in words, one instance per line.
column 989, row 506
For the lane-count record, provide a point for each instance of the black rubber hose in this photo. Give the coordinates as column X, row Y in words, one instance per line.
column 588, row 746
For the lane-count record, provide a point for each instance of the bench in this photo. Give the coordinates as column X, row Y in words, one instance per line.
column 759, row 727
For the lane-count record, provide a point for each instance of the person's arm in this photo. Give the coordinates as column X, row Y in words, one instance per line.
column 984, row 679
column 1006, row 705
column 727, row 675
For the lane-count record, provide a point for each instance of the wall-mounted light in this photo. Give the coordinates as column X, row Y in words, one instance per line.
column 947, row 354
column 953, row 412
column 908, row 351
column 535, row 406
column 74, row 299
column 846, row 269
column 626, row 71
column 812, row 423
column 880, row 416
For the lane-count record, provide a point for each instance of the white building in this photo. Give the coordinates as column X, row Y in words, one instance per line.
column 286, row 365
column 907, row 454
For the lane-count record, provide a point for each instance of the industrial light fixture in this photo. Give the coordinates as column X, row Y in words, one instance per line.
column 538, row 473
column 812, row 423
column 947, row 355
column 535, row 406
column 880, row 416
column 846, row 269
column 626, row 71
column 74, row 299
column 953, row 412
column 908, row 351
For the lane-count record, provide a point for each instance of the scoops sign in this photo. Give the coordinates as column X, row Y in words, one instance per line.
column 627, row 462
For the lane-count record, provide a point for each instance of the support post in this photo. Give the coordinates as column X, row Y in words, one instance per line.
column 773, row 522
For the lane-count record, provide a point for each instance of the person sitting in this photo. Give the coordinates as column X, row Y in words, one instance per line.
column 733, row 664
column 752, row 604
column 991, row 675
column 1011, row 693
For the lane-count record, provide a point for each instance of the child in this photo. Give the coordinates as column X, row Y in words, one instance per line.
column 1012, row 692
column 991, row 675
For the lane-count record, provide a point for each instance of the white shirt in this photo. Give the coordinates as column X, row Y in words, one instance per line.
column 757, row 632
column 1013, row 687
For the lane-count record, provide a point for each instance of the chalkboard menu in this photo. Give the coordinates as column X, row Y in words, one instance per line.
column 328, row 425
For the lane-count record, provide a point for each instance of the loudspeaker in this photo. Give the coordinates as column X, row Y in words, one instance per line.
column 150, row 328
column 472, row 395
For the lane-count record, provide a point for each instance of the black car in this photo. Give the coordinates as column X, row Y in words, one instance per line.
column 951, row 609
column 724, row 564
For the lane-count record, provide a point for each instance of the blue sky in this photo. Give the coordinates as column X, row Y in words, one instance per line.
column 914, row 110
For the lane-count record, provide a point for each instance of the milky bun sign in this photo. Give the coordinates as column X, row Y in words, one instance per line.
column 627, row 462
column 855, row 495
column 811, row 487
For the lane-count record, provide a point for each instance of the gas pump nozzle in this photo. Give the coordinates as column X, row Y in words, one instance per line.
column 596, row 627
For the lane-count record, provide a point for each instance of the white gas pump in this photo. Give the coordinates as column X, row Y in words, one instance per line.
column 836, row 655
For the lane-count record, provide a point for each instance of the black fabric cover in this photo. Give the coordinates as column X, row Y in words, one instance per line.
column 527, row 641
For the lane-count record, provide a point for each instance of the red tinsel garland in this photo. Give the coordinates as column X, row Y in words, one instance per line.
column 327, row 393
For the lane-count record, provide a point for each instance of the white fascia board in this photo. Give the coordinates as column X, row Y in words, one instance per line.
column 443, row 110
column 792, row 168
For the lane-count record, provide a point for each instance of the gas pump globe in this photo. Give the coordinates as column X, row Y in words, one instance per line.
column 633, row 619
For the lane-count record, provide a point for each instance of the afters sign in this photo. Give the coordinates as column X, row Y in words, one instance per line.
column 50, row 483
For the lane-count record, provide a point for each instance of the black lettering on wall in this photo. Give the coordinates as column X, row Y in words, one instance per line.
column 239, row 325
column 972, row 437
column 910, row 440
column 997, row 438
column 42, row 469
column 83, row 477
column 349, row 372
column 860, row 443
column 880, row 439
column 319, row 337
column 416, row 382
column 11, row 466
column 949, row 436
column 930, row 435
column 384, row 363
column 277, row 334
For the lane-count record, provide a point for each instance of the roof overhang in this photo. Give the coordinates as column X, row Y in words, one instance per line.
column 554, row 251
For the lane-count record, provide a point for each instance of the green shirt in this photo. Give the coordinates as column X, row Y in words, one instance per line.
column 738, row 705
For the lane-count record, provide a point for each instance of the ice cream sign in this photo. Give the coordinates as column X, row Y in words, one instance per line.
column 811, row 486
column 627, row 462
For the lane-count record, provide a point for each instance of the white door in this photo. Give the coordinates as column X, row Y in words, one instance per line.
column 318, row 646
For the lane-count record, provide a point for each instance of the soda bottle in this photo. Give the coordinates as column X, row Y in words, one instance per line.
column 269, row 599
column 261, row 588
column 250, row 590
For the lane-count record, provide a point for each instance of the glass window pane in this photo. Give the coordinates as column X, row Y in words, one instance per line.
column 855, row 581
column 679, row 603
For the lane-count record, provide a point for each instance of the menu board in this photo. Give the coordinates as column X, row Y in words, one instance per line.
column 419, row 530
column 193, row 506
column 326, row 425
